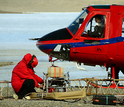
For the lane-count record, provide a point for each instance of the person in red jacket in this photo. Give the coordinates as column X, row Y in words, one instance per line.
column 24, row 78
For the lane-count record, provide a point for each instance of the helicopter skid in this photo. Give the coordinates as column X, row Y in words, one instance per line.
column 113, row 85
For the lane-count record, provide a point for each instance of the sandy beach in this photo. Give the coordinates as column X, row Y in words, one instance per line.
column 18, row 6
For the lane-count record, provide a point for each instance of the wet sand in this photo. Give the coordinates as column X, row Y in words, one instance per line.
column 18, row 6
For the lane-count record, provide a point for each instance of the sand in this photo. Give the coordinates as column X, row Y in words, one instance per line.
column 11, row 102
column 18, row 6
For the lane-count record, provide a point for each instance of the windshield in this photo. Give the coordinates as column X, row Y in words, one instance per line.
column 75, row 25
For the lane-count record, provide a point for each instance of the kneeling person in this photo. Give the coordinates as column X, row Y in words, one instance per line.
column 24, row 78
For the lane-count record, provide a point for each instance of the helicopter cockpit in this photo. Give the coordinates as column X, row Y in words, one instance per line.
column 91, row 26
column 75, row 25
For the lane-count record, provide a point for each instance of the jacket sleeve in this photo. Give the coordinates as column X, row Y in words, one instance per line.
column 39, row 80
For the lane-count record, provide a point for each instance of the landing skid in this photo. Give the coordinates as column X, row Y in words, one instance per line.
column 113, row 83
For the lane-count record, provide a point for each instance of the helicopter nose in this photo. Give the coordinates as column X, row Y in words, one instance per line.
column 49, row 41
column 57, row 35
column 45, row 47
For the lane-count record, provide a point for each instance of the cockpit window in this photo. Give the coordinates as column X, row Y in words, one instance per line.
column 95, row 27
column 75, row 25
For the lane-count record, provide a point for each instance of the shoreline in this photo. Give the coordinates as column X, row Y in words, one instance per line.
column 16, row 6
column 6, row 63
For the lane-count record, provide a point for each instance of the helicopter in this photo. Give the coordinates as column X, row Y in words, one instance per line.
column 74, row 43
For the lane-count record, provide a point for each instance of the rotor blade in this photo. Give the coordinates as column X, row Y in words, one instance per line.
column 34, row 38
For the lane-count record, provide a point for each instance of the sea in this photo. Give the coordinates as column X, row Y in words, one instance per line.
column 17, row 29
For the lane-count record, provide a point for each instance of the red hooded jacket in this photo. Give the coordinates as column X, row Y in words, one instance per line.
column 21, row 72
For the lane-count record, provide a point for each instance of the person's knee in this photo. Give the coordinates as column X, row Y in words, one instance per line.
column 29, row 82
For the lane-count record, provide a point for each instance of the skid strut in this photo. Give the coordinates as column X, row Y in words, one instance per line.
column 113, row 76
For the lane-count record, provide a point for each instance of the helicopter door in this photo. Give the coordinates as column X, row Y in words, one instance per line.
column 94, row 46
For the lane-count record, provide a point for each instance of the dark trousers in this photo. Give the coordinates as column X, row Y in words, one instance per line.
column 27, row 87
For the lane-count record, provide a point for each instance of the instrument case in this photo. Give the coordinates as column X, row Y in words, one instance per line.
column 104, row 99
column 55, row 72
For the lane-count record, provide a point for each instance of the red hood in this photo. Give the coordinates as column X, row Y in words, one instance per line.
column 27, row 58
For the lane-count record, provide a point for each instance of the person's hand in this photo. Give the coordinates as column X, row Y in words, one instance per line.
column 40, row 86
